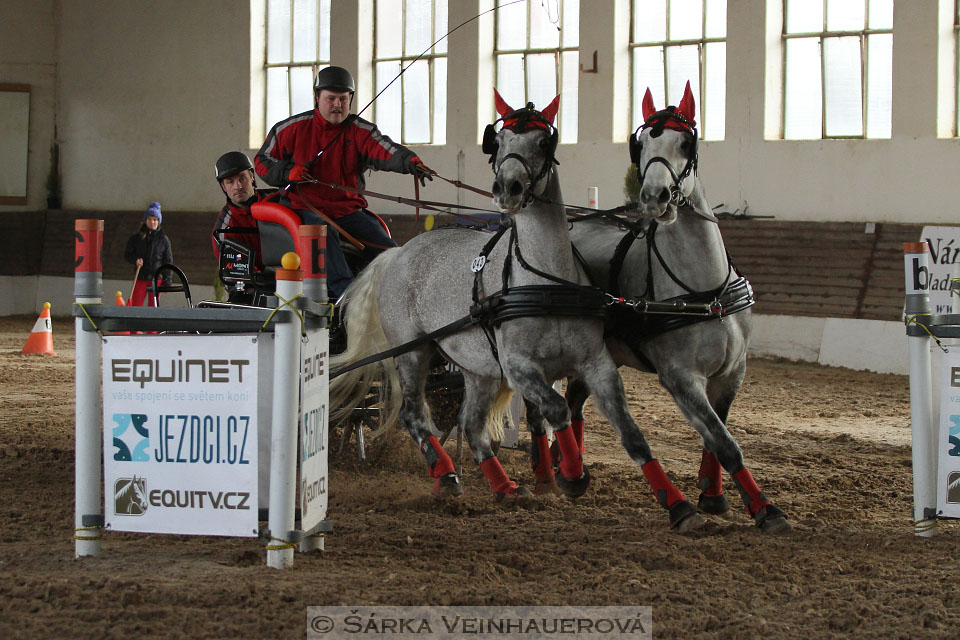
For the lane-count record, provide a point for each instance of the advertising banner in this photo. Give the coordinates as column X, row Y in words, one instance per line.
column 314, row 415
column 944, row 247
column 948, row 442
column 180, row 434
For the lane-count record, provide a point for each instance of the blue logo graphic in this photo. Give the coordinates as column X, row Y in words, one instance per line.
column 132, row 446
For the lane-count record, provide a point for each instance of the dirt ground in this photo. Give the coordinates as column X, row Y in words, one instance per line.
column 830, row 446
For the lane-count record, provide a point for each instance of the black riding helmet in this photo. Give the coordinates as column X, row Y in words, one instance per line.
column 334, row 79
column 232, row 163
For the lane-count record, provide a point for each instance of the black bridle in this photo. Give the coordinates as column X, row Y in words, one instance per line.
column 673, row 119
column 522, row 121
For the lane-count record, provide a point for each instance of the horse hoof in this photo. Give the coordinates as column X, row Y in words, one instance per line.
column 576, row 487
column 715, row 505
column 685, row 517
column 447, row 486
column 772, row 520
column 519, row 492
column 547, row 488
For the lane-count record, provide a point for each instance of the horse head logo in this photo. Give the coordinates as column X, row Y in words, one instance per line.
column 130, row 496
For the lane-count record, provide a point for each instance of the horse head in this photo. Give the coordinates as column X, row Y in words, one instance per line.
column 522, row 152
column 664, row 148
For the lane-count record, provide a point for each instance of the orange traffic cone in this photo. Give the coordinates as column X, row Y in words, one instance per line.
column 121, row 303
column 41, row 338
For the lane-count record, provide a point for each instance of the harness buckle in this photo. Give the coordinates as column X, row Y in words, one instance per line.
column 478, row 263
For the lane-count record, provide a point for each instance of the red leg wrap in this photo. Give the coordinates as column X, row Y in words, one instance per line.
column 709, row 479
column 496, row 476
column 578, row 432
column 667, row 494
column 750, row 492
column 440, row 463
column 571, row 464
column 540, row 460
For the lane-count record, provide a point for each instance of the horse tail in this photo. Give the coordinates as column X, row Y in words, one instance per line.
column 501, row 403
column 365, row 337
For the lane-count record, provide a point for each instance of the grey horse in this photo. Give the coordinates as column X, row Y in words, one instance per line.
column 409, row 293
column 677, row 253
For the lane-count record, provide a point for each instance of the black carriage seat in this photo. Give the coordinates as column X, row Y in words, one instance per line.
column 238, row 261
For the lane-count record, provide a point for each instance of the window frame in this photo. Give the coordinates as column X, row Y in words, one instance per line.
column 528, row 51
column 406, row 58
column 956, row 68
column 823, row 35
column 701, row 43
column 315, row 65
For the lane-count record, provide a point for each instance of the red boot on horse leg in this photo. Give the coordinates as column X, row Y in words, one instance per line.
column 710, row 482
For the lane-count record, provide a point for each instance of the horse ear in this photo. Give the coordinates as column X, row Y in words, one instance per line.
column 646, row 106
column 687, row 107
column 551, row 111
column 502, row 107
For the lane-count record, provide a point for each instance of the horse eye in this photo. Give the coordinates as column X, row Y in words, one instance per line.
column 685, row 146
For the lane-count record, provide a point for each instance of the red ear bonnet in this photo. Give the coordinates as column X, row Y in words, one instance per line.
column 551, row 111
column 646, row 106
column 502, row 107
column 687, row 107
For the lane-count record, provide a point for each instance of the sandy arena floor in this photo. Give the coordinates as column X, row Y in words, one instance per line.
column 830, row 446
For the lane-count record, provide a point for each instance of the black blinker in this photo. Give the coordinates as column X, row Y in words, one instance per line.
column 636, row 147
column 490, row 145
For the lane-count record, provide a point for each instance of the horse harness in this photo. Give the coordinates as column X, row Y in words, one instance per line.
column 660, row 316
column 563, row 297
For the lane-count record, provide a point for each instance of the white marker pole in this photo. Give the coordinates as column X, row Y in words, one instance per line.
column 923, row 425
column 593, row 197
column 87, row 290
column 283, row 440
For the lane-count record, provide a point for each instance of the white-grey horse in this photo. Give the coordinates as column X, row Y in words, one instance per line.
column 533, row 334
column 677, row 253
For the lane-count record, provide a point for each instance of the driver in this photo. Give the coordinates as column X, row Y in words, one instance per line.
column 347, row 145
column 238, row 182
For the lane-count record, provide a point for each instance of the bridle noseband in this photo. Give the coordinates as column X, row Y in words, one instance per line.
column 672, row 119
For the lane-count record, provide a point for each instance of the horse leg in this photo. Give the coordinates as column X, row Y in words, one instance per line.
column 691, row 398
column 540, row 452
column 527, row 379
column 478, row 398
column 709, row 479
column 576, row 396
column 415, row 417
column 607, row 387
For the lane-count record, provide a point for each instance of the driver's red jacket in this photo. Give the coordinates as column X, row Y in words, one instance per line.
column 239, row 217
column 299, row 138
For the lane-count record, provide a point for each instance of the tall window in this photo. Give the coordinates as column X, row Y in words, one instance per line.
column 537, row 57
column 673, row 41
column 414, row 108
column 298, row 45
column 956, row 44
column 838, row 68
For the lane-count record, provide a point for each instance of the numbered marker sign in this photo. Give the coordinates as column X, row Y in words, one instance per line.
column 180, row 434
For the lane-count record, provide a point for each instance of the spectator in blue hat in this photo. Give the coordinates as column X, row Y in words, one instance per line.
column 149, row 249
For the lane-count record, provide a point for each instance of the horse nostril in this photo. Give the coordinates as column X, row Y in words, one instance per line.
column 496, row 188
column 664, row 196
column 516, row 188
